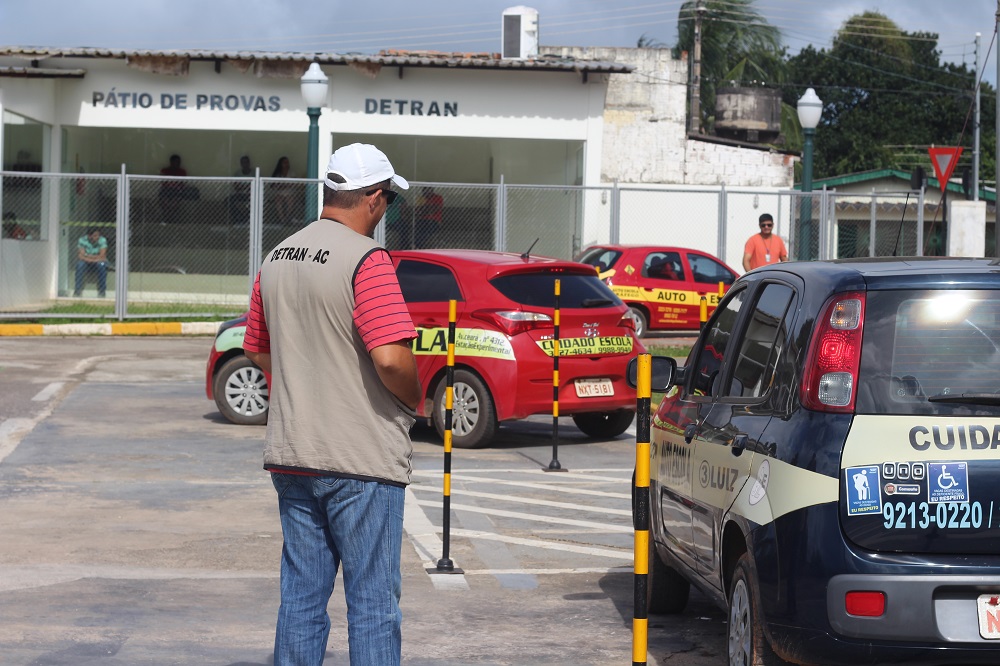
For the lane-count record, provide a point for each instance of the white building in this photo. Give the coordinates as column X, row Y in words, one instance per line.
column 549, row 117
column 568, row 116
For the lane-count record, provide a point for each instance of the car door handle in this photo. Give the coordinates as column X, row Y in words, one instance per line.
column 740, row 443
column 689, row 432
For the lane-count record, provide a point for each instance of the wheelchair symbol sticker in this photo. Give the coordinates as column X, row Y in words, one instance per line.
column 947, row 482
column 864, row 492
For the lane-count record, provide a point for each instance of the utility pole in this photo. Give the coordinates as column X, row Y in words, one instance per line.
column 976, row 124
column 694, row 123
column 996, row 173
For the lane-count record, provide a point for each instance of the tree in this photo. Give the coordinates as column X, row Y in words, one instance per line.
column 886, row 96
column 647, row 42
column 738, row 47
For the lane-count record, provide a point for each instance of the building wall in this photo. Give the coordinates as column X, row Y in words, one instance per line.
column 713, row 164
column 645, row 129
column 428, row 103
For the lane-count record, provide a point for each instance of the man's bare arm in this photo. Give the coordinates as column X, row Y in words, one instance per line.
column 397, row 368
column 263, row 361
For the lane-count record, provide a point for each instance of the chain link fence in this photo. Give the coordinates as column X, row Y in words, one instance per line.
column 184, row 246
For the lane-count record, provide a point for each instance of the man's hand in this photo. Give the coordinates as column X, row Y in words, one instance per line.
column 397, row 368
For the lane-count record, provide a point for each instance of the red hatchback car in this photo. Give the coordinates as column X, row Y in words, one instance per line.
column 503, row 345
column 661, row 285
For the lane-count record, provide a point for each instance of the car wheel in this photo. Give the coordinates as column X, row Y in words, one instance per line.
column 604, row 425
column 747, row 644
column 641, row 323
column 241, row 392
column 473, row 418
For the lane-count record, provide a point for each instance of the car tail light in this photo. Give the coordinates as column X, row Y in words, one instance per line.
column 831, row 376
column 627, row 321
column 513, row 322
column 865, row 604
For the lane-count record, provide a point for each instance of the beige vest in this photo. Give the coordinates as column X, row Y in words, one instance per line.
column 329, row 411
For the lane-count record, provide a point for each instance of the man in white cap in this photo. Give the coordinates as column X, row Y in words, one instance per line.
column 328, row 322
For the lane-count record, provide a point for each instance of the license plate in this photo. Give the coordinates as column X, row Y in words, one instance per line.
column 989, row 616
column 594, row 388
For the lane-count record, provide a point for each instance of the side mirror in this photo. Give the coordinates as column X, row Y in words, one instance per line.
column 662, row 371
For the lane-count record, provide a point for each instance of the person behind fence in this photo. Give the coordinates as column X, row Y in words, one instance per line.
column 92, row 257
column 172, row 191
column 764, row 248
column 239, row 200
column 283, row 194
column 430, row 210
column 11, row 229
column 328, row 322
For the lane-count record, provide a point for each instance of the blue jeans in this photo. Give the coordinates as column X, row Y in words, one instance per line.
column 101, row 268
column 327, row 521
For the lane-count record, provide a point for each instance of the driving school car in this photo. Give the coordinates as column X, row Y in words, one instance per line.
column 661, row 285
column 826, row 465
column 504, row 345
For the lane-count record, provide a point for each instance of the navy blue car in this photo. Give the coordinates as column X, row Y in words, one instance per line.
column 826, row 464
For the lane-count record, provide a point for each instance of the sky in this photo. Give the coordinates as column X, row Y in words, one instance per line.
column 450, row 25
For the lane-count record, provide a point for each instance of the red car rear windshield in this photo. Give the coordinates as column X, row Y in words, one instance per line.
column 538, row 290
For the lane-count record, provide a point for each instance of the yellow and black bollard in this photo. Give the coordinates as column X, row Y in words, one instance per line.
column 554, row 465
column 641, row 508
column 445, row 565
column 703, row 312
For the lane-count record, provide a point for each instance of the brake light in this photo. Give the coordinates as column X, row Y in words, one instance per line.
column 513, row 322
column 627, row 321
column 831, row 376
column 865, row 604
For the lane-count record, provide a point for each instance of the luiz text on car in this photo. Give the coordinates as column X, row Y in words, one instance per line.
column 662, row 286
column 504, row 341
column 826, row 464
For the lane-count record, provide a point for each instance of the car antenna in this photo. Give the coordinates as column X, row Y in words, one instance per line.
column 916, row 183
column 527, row 253
column 899, row 233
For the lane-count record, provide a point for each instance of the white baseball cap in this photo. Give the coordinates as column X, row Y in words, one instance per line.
column 361, row 165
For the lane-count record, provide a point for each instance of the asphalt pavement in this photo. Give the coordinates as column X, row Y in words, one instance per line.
column 139, row 528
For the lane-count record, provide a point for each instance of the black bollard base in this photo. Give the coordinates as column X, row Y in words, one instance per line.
column 554, row 466
column 445, row 566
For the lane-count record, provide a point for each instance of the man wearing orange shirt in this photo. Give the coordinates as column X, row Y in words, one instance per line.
column 764, row 248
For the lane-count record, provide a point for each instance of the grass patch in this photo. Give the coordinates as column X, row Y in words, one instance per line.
column 94, row 312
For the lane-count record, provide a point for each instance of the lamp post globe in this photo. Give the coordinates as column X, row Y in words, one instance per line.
column 314, row 85
column 810, row 109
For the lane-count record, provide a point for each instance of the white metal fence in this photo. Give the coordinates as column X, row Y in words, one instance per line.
column 191, row 246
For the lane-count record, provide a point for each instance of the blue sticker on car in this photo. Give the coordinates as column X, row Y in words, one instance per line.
column 864, row 492
column 947, row 482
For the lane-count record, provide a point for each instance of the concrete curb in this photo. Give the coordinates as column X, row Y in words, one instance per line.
column 116, row 328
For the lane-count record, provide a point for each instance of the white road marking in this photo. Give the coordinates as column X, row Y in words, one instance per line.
column 532, row 517
column 424, row 537
column 48, row 391
column 596, row 551
column 12, row 431
column 536, row 572
column 532, row 470
column 526, row 500
column 531, row 484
